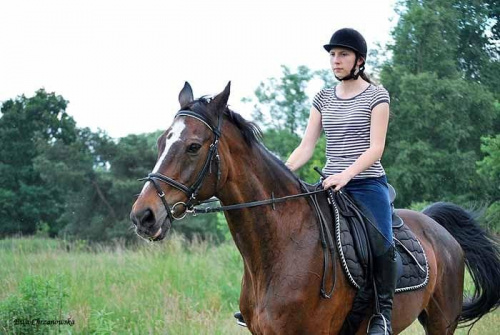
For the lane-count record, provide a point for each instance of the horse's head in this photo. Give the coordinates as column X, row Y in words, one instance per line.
column 187, row 169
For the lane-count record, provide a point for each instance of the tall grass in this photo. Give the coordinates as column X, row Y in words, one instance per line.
column 173, row 287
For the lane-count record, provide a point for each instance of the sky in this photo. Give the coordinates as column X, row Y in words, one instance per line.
column 122, row 63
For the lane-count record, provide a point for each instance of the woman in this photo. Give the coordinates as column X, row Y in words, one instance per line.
column 354, row 115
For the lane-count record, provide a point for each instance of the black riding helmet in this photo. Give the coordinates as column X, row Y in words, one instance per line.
column 351, row 39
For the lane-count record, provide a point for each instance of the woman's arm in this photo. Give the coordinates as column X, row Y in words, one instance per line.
column 378, row 130
column 305, row 150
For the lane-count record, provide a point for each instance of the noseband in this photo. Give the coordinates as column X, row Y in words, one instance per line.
column 190, row 191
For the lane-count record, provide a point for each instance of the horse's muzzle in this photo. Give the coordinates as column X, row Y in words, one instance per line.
column 148, row 226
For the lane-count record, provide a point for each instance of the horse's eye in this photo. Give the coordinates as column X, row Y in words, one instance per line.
column 193, row 148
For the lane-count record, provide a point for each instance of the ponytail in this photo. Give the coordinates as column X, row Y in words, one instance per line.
column 366, row 77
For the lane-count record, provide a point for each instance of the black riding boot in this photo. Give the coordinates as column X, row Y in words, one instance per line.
column 385, row 276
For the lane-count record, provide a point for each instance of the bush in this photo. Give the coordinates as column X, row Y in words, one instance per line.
column 492, row 217
column 37, row 308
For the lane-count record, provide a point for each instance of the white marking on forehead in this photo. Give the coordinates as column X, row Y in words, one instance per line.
column 172, row 137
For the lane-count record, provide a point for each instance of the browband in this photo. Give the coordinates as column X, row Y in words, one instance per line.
column 195, row 116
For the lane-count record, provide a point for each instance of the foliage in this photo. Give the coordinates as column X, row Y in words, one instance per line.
column 282, row 110
column 450, row 38
column 442, row 99
column 173, row 287
column 38, row 300
column 443, row 74
column 58, row 179
column 489, row 166
column 282, row 102
column 25, row 125
column 434, row 138
column 98, row 209
column 489, row 169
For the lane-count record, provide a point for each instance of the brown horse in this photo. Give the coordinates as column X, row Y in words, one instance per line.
column 211, row 151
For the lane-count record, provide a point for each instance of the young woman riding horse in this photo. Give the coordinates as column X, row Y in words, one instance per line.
column 211, row 151
column 355, row 116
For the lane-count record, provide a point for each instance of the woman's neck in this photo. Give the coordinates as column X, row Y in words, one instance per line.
column 352, row 87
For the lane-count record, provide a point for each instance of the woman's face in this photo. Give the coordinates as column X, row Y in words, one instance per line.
column 342, row 61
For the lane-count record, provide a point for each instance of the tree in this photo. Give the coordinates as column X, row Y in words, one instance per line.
column 98, row 209
column 448, row 37
column 25, row 125
column 76, row 174
column 440, row 100
column 282, row 110
column 489, row 169
column 285, row 100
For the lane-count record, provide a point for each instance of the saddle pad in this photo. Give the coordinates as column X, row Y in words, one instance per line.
column 415, row 270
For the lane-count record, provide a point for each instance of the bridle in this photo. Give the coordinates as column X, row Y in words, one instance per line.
column 190, row 191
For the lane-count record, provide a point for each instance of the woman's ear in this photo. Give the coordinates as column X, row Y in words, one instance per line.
column 361, row 60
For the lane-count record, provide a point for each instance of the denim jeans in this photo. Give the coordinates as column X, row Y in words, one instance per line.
column 373, row 195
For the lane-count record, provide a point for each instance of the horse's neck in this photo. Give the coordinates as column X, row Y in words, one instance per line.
column 262, row 233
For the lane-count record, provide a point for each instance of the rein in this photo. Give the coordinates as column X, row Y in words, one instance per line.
column 197, row 210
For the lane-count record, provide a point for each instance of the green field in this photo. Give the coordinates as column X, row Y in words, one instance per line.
column 164, row 288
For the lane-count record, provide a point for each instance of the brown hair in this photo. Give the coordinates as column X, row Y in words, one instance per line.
column 366, row 77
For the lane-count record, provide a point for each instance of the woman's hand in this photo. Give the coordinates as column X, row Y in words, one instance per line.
column 338, row 180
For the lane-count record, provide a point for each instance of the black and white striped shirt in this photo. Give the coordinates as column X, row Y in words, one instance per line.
column 346, row 123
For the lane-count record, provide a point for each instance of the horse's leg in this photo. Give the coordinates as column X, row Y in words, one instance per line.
column 444, row 308
column 438, row 318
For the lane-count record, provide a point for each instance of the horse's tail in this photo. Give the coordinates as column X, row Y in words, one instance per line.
column 482, row 257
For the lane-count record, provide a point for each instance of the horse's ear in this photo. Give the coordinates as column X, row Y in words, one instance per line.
column 186, row 95
column 220, row 100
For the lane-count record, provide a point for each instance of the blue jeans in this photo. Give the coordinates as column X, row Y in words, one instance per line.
column 373, row 195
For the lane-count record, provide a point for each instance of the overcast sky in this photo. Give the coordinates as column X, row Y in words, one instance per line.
column 122, row 63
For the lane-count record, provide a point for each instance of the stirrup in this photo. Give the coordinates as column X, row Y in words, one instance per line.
column 239, row 319
column 379, row 315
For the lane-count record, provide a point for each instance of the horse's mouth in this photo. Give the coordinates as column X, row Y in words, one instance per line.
column 154, row 235
column 161, row 233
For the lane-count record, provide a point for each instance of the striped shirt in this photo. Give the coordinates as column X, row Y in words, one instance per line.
column 346, row 123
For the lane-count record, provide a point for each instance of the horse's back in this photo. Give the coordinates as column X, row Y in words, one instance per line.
column 428, row 231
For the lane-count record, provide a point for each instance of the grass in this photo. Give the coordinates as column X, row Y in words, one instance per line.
column 165, row 288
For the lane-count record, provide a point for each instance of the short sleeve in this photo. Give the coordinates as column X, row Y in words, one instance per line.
column 381, row 95
column 318, row 100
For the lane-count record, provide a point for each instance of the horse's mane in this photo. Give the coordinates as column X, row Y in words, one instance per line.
column 251, row 132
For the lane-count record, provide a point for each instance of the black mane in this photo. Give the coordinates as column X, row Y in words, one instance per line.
column 250, row 131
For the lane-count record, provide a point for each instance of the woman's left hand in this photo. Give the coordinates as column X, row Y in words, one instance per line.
column 338, row 180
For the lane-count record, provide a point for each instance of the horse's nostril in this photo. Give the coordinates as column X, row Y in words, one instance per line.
column 147, row 218
column 144, row 218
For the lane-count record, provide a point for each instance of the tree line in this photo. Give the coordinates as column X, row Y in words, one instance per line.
column 442, row 71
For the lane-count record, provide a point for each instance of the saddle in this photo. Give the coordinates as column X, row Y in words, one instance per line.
column 352, row 244
column 413, row 268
